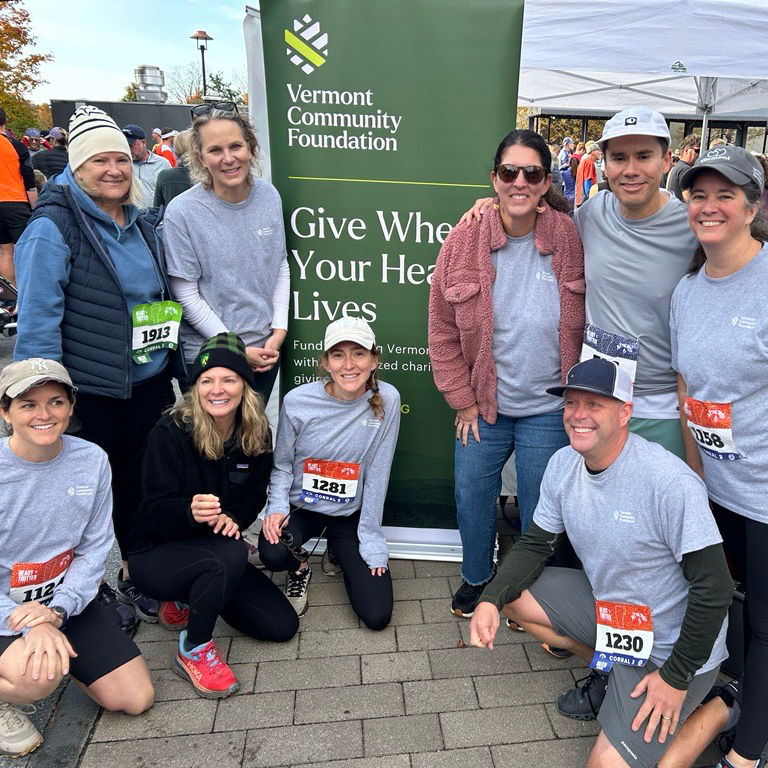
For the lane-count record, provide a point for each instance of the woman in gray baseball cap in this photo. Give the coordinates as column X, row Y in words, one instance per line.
column 719, row 331
column 54, row 541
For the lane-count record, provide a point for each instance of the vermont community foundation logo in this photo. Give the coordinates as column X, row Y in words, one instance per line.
column 306, row 47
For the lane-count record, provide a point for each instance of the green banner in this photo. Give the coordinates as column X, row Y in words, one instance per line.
column 383, row 121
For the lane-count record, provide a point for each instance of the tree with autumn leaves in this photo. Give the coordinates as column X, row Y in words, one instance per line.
column 19, row 69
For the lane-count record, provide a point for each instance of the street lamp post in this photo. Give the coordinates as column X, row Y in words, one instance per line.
column 201, row 37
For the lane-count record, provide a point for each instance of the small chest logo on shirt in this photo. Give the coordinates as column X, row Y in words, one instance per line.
column 623, row 517
column 547, row 276
column 372, row 423
column 80, row 490
column 750, row 323
column 264, row 231
column 242, row 466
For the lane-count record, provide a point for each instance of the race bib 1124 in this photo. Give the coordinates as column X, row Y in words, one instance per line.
column 36, row 581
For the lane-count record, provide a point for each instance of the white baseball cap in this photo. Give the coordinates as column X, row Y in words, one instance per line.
column 635, row 121
column 349, row 329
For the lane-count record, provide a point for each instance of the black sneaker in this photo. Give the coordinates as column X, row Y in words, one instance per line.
column 583, row 703
column 145, row 607
column 107, row 597
column 465, row 599
column 558, row 653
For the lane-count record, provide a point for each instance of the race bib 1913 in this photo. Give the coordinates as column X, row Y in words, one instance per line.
column 710, row 425
column 155, row 326
column 329, row 481
column 624, row 635
column 620, row 350
column 36, row 581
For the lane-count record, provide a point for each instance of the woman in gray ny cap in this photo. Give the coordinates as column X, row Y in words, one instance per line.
column 54, row 541
column 720, row 349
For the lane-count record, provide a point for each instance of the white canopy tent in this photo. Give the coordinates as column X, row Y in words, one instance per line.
column 703, row 58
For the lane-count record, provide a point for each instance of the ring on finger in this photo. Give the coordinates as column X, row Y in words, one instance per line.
column 666, row 719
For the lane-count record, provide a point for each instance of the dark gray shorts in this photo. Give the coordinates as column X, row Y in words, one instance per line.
column 566, row 597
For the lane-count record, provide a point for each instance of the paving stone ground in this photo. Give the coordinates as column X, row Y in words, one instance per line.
column 341, row 696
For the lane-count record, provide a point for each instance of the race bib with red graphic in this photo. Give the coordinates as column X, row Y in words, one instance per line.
column 710, row 425
column 36, row 581
column 324, row 480
column 624, row 635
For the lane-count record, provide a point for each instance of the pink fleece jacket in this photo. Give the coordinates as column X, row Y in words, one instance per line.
column 461, row 305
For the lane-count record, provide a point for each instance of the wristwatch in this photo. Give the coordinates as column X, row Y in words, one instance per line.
column 61, row 613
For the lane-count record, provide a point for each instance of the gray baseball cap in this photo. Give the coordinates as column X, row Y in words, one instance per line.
column 22, row 375
column 737, row 165
column 635, row 121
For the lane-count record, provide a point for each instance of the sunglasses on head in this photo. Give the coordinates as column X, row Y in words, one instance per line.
column 205, row 109
column 533, row 174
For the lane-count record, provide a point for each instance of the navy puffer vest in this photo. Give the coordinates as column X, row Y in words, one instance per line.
column 95, row 329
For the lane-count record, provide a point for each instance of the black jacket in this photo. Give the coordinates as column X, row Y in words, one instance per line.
column 173, row 472
column 51, row 161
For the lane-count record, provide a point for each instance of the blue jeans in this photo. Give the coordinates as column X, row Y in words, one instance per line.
column 477, row 477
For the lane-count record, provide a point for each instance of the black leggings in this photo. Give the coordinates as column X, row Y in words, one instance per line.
column 119, row 428
column 746, row 544
column 212, row 575
column 370, row 596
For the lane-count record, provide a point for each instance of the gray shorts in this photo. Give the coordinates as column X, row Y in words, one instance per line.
column 566, row 597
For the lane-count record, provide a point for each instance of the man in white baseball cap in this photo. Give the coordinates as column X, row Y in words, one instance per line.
column 637, row 246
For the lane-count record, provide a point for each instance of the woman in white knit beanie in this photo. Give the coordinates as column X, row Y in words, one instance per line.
column 94, row 296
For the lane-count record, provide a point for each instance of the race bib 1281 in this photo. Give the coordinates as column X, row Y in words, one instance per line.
column 329, row 481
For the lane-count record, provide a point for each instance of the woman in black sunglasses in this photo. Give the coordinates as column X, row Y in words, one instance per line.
column 506, row 316
column 225, row 244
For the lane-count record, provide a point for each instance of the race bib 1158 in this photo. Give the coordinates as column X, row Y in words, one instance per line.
column 710, row 425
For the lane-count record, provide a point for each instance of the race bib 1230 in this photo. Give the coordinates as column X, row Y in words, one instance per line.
column 624, row 635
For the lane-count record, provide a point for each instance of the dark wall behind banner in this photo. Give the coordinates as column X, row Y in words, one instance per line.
column 383, row 121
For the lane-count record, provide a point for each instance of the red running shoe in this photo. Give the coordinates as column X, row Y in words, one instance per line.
column 205, row 669
column 173, row 615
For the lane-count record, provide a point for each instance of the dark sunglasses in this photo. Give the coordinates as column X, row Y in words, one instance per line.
column 205, row 109
column 533, row 174
column 301, row 554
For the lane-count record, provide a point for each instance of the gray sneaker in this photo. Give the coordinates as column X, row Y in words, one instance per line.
column 329, row 564
column 296, row 589
column 18, row 735
column 584, row 701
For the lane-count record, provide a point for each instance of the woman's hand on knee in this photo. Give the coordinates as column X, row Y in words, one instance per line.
column 205, row 508
column 225, row 525
column 466, row 420
column 273, row 526
column 378, row 571
column 31, row 615
column 46, row 645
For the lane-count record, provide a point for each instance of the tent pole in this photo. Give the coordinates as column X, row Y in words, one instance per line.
column 704, row 128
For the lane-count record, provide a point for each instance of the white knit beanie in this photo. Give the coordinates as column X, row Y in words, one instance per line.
column 92, row 131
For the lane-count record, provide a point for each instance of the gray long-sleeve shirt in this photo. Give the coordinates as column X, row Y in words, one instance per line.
column 315, row 428
column 55, row 527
